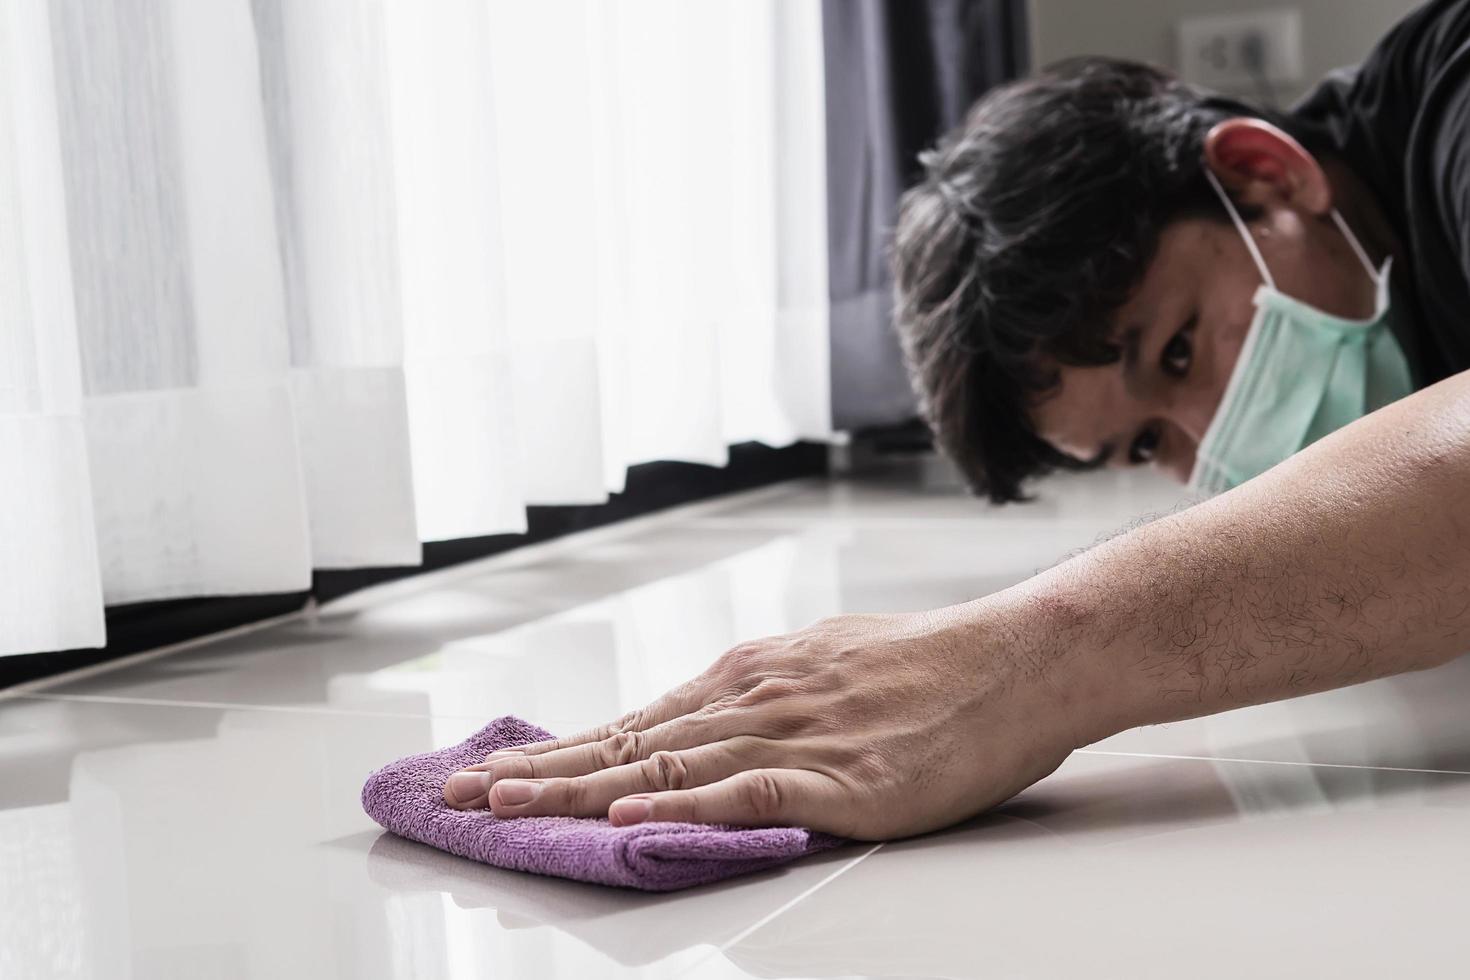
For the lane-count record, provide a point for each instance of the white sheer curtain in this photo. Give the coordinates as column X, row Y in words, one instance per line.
column 302, row 285
column 52, row 596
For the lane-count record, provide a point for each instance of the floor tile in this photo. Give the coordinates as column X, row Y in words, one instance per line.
column 1152, row 868
column 175, row 842
column 197, row 815
column 1413, row 721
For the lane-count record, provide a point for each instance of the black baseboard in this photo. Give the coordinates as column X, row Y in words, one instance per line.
column 141, row 626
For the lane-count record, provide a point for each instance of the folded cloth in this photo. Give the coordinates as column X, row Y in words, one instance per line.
column 407, row 798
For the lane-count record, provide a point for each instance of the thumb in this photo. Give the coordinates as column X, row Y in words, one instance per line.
column 754, row 798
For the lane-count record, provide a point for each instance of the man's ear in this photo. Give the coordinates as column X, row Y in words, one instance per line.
column 1261, row 165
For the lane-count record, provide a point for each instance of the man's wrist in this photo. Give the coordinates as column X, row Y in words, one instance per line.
column 1058, row 634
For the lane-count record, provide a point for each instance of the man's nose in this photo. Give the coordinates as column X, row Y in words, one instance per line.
column 1187, row 415
column 1190, row 409
column 1179, row 468
column 1191, row 425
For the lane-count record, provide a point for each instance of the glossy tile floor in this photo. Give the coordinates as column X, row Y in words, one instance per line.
column 196, row 815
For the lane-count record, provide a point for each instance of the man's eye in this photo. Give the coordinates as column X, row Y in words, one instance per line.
column 1178, row 352
column 1145, row 446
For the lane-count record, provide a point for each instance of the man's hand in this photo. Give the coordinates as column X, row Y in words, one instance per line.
column 869, row 727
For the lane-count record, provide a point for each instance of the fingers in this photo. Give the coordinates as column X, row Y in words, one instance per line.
column 682, row 700
column 684, row 717
column 622, row 749
column 590, row 795
column 753, row 798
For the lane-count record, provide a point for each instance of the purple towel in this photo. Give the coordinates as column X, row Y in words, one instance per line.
column 407, row 798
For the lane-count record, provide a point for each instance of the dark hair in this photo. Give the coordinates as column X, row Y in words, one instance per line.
column 1035, row 221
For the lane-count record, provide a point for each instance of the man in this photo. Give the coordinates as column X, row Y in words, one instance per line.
column 1104, row 266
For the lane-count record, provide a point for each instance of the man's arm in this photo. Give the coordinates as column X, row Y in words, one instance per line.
column 1349, row 561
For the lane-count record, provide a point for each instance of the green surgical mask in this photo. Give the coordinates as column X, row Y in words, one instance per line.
column 1301, row 374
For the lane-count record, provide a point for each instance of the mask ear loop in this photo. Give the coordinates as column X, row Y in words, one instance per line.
column 1358, row 249
column 1245, row 233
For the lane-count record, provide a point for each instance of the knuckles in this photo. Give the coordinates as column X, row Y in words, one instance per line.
column 834, row 638
column 620, row 749
column 665, row 771
column 571, row 795
column 769, row 689
column 771, row 694
column 631, row 721
column 761, row 794
column 738, row 663
column 742, row 654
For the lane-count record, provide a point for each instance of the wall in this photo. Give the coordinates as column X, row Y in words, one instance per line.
column 1334, row 32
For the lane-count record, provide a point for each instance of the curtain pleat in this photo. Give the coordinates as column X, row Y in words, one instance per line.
column 324, row 86
column 191, row 433
column 50, row 589
column 304, row 285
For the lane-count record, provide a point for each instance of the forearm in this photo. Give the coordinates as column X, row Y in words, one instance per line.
column 1348, row 562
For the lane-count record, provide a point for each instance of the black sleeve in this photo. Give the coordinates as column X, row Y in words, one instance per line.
column 1439, row 208
column 1401, row 121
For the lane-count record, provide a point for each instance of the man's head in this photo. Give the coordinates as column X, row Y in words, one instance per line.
column 1071, row 291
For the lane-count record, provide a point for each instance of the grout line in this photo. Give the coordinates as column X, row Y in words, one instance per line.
column 1272, row 762
column 132, row 659
column 768, row 917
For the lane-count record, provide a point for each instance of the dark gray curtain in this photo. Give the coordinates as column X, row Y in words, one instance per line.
column 899, row 73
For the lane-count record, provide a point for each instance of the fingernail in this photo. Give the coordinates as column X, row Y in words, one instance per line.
column 631, row 811
column 503, row 754
column 514, row 792
column 465, row 786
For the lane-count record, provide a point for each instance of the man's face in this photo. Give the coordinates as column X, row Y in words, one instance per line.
column 1182, row 332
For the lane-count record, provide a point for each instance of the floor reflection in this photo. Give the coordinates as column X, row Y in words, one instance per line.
column 1123, row 867
column 632, row 928
column 198, row 816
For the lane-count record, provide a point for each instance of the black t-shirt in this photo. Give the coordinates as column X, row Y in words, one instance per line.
column 1401, row 122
